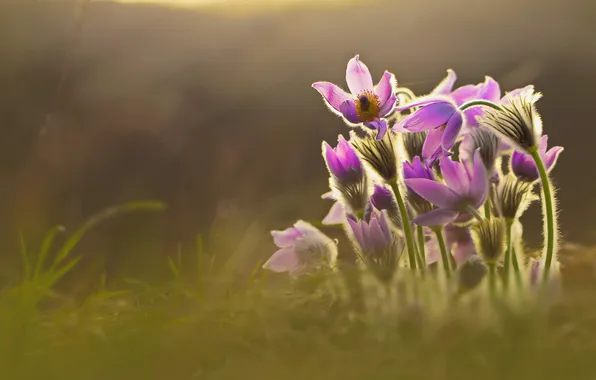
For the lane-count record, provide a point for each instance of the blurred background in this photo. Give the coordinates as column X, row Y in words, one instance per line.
column 207, row 106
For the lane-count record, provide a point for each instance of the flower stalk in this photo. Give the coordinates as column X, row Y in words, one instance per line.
column 443, row 248
column 406, row 223
column 548, row 213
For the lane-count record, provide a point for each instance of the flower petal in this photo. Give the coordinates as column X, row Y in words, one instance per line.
column 388, row 106
column 425, row 101
column 348, row 111
column 336, row 215
column 454, row 125
column 357, row 230
column 385, row 88
column 333, row 95
column 328, row 195
column 358, row 76
column 380, row 125
column 434, row 192
column 455, row 176
column 551, row 157
column 543, row 144
column 432, row 143
column 465, row 93
column 490, row 90
column 437, row 217
column 287, row 237
column 446, row 85
column 283, row 260
column 428, row 117
column 479, row 181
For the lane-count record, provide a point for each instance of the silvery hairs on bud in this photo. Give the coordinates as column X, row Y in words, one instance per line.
column 518, row 121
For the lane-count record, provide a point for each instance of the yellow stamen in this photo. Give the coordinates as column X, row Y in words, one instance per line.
column 367, row 106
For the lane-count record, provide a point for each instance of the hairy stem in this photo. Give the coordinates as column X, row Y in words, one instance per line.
column 548, row 213
column 421, row 245
column 479, row 103
column 444, row 254
column 406, row 223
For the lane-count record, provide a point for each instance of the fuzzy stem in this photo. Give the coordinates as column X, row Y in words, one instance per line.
column 508, row 253
column 474, row 213
column 548, row 213
column 421, row 245
column 492, row 278
column 478, row 103
column 405, row 91
column 406, row 223
column 487, row 210
column 444, row 255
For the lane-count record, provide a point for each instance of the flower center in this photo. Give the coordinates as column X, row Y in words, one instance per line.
column 367, row 106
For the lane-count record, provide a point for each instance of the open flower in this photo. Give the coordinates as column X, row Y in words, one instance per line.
column 301, row 247
column 367, row 104
column 463, row 193
column 488, row 90
column 524, row 166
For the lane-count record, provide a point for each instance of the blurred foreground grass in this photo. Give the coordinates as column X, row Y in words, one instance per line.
column 204, row 324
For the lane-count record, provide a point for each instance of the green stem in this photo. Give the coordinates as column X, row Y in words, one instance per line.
column 507, row 264
column 492, row 278
column 443, row 248
column 405, row 91
column 548, row 212
column 478, row 103
column 487, row 210
column 475, row 213
column 405, row 219
column 421, row 245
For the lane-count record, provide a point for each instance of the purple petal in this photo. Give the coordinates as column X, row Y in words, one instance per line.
column 348, row 111
column 284, row 260
column 446, row 85
column 287, row 237
column 551, row 157
column 429, row 117
column 357, row 230
column 377, row 237
column 384, row 222
column 336, row 215
column 333, row 95
column 328, row 195
column 333, row 162
column 465, row 93
column 432, row 143
column 437, row 217
column 452, row 129
column 385, row 88
column 490, row 90
column 388, row 106
column 425, row 101
column 434, row 192
column 542, row 145
column 380, row 125
column 358, row 76
column 455, row 176
column 479, row 181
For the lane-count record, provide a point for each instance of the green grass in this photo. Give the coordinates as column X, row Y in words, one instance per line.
column 205, row 325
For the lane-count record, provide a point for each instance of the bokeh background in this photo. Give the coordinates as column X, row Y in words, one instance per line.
column 208, row 107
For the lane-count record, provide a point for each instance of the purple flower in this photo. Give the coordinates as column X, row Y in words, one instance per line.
column 488, row 90
column 458, row 241
column 383, row 199
column 416, row 169
column 367, row 104
column 337, row 212
column 343, row 162
column 301, row 247
column 440, row 116
column 464, row 191
column 524, row 167
column 373, row 237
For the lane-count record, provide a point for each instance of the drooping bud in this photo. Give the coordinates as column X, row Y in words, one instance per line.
column 380, row 155
column 384, row 199
column 470, row 274
column 489, row 237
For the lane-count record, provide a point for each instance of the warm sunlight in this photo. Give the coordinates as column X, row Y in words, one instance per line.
column 193, row 3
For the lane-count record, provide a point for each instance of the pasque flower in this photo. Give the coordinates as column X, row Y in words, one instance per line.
column 416, row 169
column 337, row 212
column 301, row 247
column 383, row 199
column 459, row 198
column 367, row 104
column 524, row 166
column 440, row 113
column 489, row 146
column 347, row 174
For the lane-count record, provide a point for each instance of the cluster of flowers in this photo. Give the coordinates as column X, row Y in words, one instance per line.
column 428, row 178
